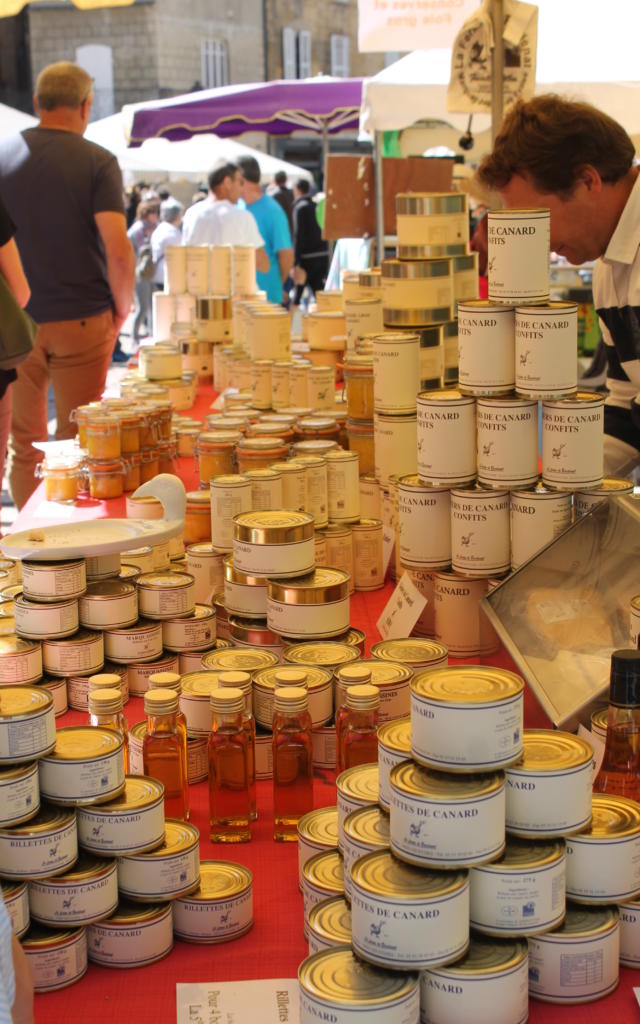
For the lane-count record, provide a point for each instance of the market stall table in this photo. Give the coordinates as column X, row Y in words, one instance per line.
column 275, row 946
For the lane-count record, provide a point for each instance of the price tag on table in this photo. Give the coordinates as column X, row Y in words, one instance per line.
column 229, row 1002
column 402, row 611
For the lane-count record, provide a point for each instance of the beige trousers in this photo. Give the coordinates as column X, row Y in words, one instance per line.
column 75, row 356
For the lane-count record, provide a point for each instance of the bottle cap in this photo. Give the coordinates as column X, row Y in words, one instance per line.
column 624, row 686
column 105, row 702
column 227, row 700
column 291, row 677
column 163, row 680
column 354, row 674
column 290, row 699
column 237, row 680
column 161, row 702
column 363, row 697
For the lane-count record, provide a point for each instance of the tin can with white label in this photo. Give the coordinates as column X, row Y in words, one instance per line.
column 395, row 440
column 394, row 746
column 518, row 256
column 424, row 524
column 480, row 534
column 221, row 909
column 396, row 372
column 603, row 862
column 446, row 438
column 86, row 893
column 546, row 350
column 16, row 900
column 317, row 833
column 53, row 581
column 85, row 767
column 329, row 924
column 230, row 495
column 309, row 607
column 140, row 642
column 132, row 823
column 489, row 985
column 431, row 224
column 611, row 487
column 507, row 442
column 80, row 654
column 19, row 794
column 46, row 845
column 486, row 348
column 337, row 986
column 134, row 936
column 537, row 517
column 572, row 442
column 416, row 293
column 458, row 619
column 273, row 543
column 363, row 832
column 169, row 871
column 578, row 962
column 357, row 787
column 57, row 958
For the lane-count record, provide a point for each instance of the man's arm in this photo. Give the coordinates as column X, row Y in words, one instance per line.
column 120, row 262
column 285, row 260
column 11, row 269
column 262, row 260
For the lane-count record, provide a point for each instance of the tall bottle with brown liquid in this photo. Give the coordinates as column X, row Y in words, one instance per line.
column 172, row 681
column 242, row 681
column 620, row 769
column 105, row 708
column 229, row 810
column 292, row 761
column 163, row 751
column 348, row 676
column 359, row 734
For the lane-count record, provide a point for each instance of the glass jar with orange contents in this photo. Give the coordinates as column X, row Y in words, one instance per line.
column 215, row 451
column 186, row 437
column 358, row 379
column 132, row 468
column 149, row 464
column 106, row 478
column 267, row 429
column 130, row 428
column 166, row 455
column 148, row 428
column 153, row 419
column 197, row 517
column 360, row 434
column 317, row 427
column 162, row 416
column 103, row 435
column 80, row 416
column 61, row 477
column 260, row 452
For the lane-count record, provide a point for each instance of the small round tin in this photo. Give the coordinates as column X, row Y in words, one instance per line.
column 169, row 871
column 27, row 724
column 274, row 543
column 15, row 896
column 35, row 621
column 336, row 986
column 109, row 604
column 20, row 661
column 19, row 794
column 85, row 767
column 322, row 877
column 132, row 937
column 84, row 894
column 549, row 789
column 244, row 659
column 603, row 862
column 57, row 958
column 317, row 833
column 325, row 653
column 394, row 746
column 329, row 924
column 194, row 632
column 558, row 960
column 80, row 654
column 53, row 581
column 221, row 909
column 165, row 595
column 314, row 606
column 132, row 823
column 357, row 787
column 44, row 846
column 244, row 594
column 140, row 642
column 363, row 831
column 403, row 917
column 416, row 652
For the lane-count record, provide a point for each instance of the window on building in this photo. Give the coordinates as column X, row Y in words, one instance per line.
column 97, row 60
column 214, row 62
column 340, row 56
column 304, row 54
column 289, row 63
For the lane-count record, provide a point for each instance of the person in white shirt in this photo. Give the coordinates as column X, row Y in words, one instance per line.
column 218, row 221
column 16, row 983
column 167, row 233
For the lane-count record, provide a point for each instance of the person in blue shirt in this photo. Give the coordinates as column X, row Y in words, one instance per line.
column 272, row 224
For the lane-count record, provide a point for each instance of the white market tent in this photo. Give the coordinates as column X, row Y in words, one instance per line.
column 14, row 121
column 191, row 159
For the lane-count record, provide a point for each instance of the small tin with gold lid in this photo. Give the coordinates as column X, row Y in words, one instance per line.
column 394, row 746
column 611, row 487
column 392, row 679
column 85, row 767
column 27, row 724
column 489, row 985
column 329, row 924
column 356, row 787
column 169, row 871
column 191, row 632
column 403, row 917
column 318, row 683
column 165, row 595
column 314, row 606
column 132, row 823
column 140, row 642
column 57, row 957
column 109, row 604
column 80, row 654
column 440, row 820
column 134, row 936
column 521, row 893
column 416, row 652
column 206, row 566
column 467, row 719
column 274, row 543
column 317, row 833
column 549, row 788
column 44, row 846
column 19, row 794
column 84, row 894
column 20, row 661
column 53, row 581
column 244, row 593
column 36, row 621
column 255, row 633
column 560, row 962
column 15, row 896
column 244, row 659
column 336, row 986
column 322, row 877
column 324, row 653
column 363, row 831
column 221, row 909
column 603, row 861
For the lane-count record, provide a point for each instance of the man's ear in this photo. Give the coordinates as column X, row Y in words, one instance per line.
column 590, row 178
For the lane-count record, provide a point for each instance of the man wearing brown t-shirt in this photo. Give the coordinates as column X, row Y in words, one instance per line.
column 64, row 195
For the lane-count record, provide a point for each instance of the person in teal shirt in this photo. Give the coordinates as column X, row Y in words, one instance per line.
column 272, row 224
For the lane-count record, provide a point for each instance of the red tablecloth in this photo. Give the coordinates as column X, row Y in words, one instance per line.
column 275, row 945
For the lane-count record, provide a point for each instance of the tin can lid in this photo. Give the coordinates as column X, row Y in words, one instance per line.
column 139, row 791
column 128, row 572
column 273, row 527
column 47, row 821
column 200, row 611
column 337, row 978
column 396, row 735
column 331, row 920
column 467, row 685
column 599, row 718
column 164, row 580
column 380, row 874
column 368, row 826
column 526, row 854
column 551, row 750
column 321, row 652
column 84, row 743
column 414, row 780
column 86, row 868
column 11, row 645
column 448, row 396
column 325, row 870
column 23, row 701
column 613, row 816
column 414, row 651
column 179, row 836
column 611, row 485
column 314, row 677
column 200, row 684
column 10, row 890
column 40, row 938
column 82, row 637
column 320, row 827
column 247, row 659
column 129, row 915
column 220, row 880
column 485, row 956
column 583, row 922
column 359, row 784
column 322, row 586
column 19, row 771
column 225, row 480
column 108, row 589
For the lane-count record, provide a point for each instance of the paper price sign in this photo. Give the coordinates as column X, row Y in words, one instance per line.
column 402, row 611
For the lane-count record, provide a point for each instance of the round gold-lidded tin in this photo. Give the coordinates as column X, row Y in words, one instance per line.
column 356, row 787
column 329, row 924
column 20, row 661
column 85, row 767
column 57, row 958
column 165, row 595
column 521, row 893
column 132, row 823
column 363, row 831
column 549, row 789
column 15, row 896
column 109, row 604
column 140, row 642
column 19, row 794
column 336, row 986
column 417, row 652
column 467, row 719
column 588, row 936
column 27, row 724
column 169, row 871
column 325, row 653
column 245, row 659
column 53, row 581
column 195, row 700
column 317, row 832
column 355, row 638
column 489, row 985
column 394, row 746
column 611, row 487
column 603, row 861
column 403, row 917
column 244, row 593
column 80, row 654
column 315, row 606
column 322, row 877
column 37, row 621
column 221, row 908
column 431, row 812
column 86, row 893
column 134, row 936
column 44, row 846
column 274, row 543
column 192, row 632
column 392, row 679
column 319, row 686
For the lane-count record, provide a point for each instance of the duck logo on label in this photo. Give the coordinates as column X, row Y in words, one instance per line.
column 67, row 903
column 225, row 917
column 376, row 929
column 524, row 357
column 96, row 830
column 465, row 539
column 414, row 830
column 53, row 851
column 557, row 452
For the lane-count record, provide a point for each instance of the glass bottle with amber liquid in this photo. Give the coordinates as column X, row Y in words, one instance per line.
column 229, row 801
column 172, row 681
column 359, row 733
column 164, row 755
column 348, row 676
column 242, row 681
column 620, row 769
column 292, row 761
column 105, row 708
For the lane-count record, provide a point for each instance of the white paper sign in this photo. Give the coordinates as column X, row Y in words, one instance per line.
column 637, row 994
column 385, row 25
column 402, row 611
column 598, row 747
column 275, row 1001
column 388, row 544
